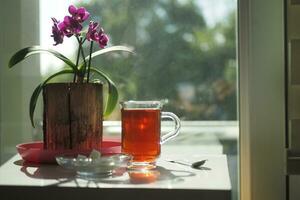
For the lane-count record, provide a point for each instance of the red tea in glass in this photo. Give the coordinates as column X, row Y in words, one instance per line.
column 141, row 131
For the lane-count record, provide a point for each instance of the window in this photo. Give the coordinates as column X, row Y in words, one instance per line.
column 186, row 53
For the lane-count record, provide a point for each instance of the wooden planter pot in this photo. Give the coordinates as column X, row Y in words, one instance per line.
column 73, row 116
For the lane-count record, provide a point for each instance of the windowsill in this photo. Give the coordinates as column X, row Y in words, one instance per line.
column 222, row 129
column 205, row 135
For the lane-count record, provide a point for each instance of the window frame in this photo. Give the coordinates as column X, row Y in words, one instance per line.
column 262, row 99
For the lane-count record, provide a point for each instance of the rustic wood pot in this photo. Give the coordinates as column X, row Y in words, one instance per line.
column 73, row 116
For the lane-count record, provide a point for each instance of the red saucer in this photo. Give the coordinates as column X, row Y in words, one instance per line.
column 34, row 151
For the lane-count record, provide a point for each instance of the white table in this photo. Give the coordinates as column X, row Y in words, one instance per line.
column 175, row 181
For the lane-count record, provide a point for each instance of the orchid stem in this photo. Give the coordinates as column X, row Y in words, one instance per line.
column 84, row 71
column 90, row 60
column 82, row 54
column 77, row 61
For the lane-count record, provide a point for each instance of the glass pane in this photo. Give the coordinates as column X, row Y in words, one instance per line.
column 186, row 53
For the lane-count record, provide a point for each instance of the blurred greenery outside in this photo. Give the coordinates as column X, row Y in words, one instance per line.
column 179, row 57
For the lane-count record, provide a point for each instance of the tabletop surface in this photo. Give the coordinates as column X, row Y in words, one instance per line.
column 169, row 180
column 212, row 180
column 213, row 175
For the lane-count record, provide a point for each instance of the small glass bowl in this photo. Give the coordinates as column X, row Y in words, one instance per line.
column 93, row 167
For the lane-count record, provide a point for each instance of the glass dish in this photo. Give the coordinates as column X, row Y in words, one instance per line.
column 93, row 167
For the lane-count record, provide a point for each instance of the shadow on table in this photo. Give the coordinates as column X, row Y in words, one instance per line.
column 49, row 171
column 159, row 174
column 61, row 175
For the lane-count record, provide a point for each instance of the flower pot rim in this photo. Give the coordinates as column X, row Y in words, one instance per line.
column 71, row 83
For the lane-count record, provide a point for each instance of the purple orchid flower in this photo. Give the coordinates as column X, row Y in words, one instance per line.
column 103, row 40
column 79, row 14
column 57, row 34
column 70, row 26
column 92, row 33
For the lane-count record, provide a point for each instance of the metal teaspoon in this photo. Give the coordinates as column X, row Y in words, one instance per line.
column 195, row 165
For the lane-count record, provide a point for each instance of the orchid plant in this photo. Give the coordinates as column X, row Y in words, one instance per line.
column 72, row 26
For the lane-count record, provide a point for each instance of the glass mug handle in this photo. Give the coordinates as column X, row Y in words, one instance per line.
column 172, row 134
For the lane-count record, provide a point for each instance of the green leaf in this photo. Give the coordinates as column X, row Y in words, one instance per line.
column 107, row 50
column 39, row 88
column 113, row 95
column 28, row 51
column 33, row 101
column 111, row 49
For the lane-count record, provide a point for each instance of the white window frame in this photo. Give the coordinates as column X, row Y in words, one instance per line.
column 262, row 99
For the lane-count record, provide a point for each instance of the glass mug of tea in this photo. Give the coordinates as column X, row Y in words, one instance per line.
column 141, row 131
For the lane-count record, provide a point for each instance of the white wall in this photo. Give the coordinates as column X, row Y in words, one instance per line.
column 19, row 28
